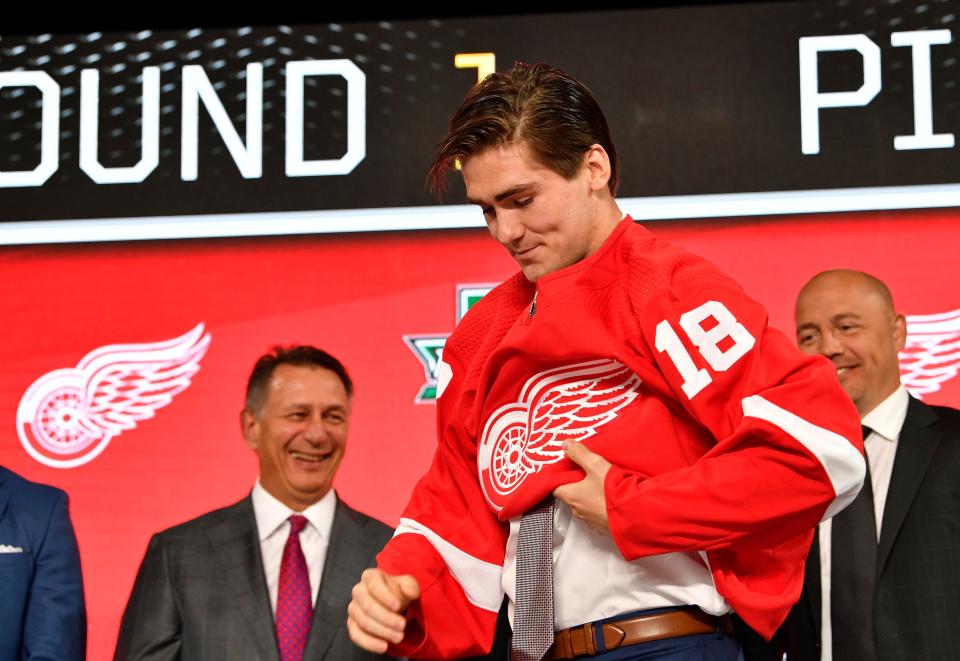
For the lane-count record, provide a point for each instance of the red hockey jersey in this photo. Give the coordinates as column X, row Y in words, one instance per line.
column 722, row 436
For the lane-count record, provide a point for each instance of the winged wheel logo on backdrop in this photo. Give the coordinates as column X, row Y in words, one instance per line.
column 68, row 416
column 932, row 352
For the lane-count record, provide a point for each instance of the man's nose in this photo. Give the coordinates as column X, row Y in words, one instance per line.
column 830, row 344
column 316, row 431
column 509, row 227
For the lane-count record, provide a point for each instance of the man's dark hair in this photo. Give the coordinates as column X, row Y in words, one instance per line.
column 299, row 356
column 552, row 112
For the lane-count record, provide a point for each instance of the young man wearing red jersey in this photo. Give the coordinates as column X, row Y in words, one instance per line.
column 625, row 448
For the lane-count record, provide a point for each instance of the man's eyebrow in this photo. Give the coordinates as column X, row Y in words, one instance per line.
column 845, row 315
column 806, row 326
column 513, row 190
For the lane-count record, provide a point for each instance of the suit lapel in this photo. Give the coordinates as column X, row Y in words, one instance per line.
column 4, row 493
column 916, row 447
column 348, row 554
column 237, row 546
column 812, row 578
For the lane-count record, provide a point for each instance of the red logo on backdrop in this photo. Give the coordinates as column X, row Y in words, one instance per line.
column 932, row 352
column 572, row 402
column 69, row 416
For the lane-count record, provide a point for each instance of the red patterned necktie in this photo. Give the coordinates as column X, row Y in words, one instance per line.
column 294, row 609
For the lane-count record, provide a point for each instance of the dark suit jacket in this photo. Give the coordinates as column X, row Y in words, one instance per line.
column 42, row 613
column 201, row 592
column 917, row 609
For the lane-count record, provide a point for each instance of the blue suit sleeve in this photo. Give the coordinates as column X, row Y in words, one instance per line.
column 55, row 622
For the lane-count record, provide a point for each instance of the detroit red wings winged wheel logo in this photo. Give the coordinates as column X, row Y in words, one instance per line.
column 932, row 352
column 68, row 416
column 572, row 401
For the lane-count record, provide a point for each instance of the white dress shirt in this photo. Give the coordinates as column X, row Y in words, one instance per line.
column 273, row 529
column 885, row 421
column 592, row 580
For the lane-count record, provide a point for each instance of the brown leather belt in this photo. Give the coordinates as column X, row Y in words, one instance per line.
column 581, row 640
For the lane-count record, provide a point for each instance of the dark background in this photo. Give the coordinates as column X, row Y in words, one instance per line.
column 701, row 98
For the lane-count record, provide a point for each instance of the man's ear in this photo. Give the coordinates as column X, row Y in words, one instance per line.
column 899, row 331
column 596, row 162
column 250, row 427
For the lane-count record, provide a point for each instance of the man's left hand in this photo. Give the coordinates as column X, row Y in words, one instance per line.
column 585, row 497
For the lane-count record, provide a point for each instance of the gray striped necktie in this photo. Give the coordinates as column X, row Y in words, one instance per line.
column 533, row 612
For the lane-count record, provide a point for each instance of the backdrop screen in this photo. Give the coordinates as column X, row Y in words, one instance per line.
column 191, row 198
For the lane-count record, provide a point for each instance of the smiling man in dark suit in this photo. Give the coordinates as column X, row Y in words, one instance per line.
column 42, row 615
column 883, row 576
column 269, row 577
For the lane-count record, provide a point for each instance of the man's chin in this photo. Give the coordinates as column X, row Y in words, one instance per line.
column 535, row 271
column 856, row 395
column 532, row 274
column 310, row 494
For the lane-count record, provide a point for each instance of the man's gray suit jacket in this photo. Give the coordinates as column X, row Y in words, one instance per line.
column 201, row 595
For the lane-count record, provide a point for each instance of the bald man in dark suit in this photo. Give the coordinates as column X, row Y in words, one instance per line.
column 902, row 601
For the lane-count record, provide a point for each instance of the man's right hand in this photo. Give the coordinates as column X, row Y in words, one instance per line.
column 376, row 615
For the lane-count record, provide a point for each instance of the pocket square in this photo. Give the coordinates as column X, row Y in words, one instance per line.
column 5, row 548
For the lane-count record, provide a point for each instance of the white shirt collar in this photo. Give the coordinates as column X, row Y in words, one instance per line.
column 270, row 513
column 886, row 419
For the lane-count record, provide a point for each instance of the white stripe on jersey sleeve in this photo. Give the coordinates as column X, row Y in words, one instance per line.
column 480, row 580
column 843, row 464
